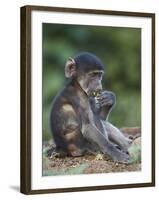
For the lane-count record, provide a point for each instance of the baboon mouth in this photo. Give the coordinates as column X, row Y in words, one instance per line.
column 95, row 93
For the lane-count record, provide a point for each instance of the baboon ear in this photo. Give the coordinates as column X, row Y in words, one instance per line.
column 70, row 68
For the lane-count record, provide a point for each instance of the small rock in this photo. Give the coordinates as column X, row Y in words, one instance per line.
column 99, row 157
column 116, row 164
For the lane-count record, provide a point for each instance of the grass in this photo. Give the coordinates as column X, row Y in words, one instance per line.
column 71, row 171
column 83, row 165
column 135, row 152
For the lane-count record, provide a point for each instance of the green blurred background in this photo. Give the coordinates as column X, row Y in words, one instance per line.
column 120, row 51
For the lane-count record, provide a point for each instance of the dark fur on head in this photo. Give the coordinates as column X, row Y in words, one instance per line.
column 87, row 61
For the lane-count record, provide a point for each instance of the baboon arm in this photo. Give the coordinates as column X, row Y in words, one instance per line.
column 93, row 135
column 116, row 136
column 101, row 111
column 104, row 112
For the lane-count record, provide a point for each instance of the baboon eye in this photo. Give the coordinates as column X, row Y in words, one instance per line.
column 95, row 73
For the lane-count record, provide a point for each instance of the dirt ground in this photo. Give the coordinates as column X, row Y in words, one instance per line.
column 87, row 164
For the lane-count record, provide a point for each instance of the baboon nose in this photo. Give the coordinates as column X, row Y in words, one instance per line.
column 99, row 87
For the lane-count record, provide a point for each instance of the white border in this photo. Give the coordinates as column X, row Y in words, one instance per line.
column 52, row 182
